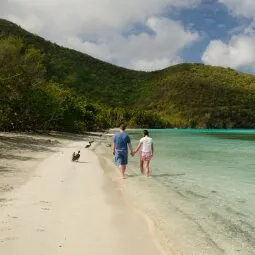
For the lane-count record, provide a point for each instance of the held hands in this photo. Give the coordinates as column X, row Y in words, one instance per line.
column 132, row 153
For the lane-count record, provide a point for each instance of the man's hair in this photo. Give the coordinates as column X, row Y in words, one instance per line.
column 123, row 126
column 146, row 132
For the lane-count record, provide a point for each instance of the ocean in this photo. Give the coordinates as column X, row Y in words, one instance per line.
column 200, row 195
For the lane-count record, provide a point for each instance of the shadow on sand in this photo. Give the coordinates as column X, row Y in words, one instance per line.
column 17, row 147
column 5, row 169
column 16, row 157
column 67, row 136
column 20, row 142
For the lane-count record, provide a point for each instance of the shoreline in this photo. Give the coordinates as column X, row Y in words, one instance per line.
column 195, row 212
column 78, row 209
column 112, row 174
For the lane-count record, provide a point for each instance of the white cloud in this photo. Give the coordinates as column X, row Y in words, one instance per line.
column 245, row 8
column 142, row 51
column 239, row 52
column 96, row 27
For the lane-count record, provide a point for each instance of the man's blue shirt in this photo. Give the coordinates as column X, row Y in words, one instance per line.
column 121, row 141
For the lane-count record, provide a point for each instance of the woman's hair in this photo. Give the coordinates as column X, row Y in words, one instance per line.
column 145, row 132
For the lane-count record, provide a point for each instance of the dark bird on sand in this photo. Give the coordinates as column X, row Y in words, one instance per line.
column 76, row 157
column 90, row 142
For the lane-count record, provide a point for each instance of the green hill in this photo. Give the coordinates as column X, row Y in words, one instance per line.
column 185, row 95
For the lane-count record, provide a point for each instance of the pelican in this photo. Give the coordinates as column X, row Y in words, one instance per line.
column 90, row 142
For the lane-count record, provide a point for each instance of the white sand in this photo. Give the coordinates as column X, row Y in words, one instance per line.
column 69, row 208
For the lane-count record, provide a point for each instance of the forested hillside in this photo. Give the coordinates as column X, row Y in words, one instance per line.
column 45, row 86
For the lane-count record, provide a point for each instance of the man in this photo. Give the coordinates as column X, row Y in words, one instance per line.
column 121, row 142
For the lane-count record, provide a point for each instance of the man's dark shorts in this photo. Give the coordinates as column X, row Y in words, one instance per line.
column 121, row 157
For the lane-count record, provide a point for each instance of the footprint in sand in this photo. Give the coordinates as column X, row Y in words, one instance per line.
column 40, row 230
column 12, row 217
column 45, row 209
column 7, row 239
column 44, row 202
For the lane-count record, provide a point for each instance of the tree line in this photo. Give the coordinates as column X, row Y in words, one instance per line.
column 31, row 101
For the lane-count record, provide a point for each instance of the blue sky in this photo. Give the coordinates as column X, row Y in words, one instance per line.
column 145, row 34
column 213, row 21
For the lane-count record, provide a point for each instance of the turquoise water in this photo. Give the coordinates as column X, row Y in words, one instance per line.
column 201, row 193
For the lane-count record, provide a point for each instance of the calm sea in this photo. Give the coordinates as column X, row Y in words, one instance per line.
column 201, row 193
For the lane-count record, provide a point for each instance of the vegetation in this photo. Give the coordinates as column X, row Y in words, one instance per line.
column 45, row 86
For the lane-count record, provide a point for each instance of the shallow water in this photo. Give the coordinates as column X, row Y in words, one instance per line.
column 201, row 190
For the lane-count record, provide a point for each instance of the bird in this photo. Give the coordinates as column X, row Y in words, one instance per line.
column 90, row 142
column 75, row 157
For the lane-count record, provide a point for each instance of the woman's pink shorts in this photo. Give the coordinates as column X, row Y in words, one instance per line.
column 145, row 156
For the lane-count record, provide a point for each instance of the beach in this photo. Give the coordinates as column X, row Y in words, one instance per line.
column 194, row 202
column 51, row 205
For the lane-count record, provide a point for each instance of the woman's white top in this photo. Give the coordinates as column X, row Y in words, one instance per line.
column 146, row 144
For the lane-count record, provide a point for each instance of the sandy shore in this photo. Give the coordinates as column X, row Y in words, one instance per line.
column 50, row 205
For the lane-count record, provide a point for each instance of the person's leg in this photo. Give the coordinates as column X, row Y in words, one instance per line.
column 122, row 160
column 141, row 166
column 122, row 170
column 119, row 159
column 124, row 163
column 147, row 167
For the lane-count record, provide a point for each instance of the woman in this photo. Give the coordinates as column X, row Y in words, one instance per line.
column 146, row 153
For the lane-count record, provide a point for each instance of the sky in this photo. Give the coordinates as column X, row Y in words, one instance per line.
column 145, row 34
